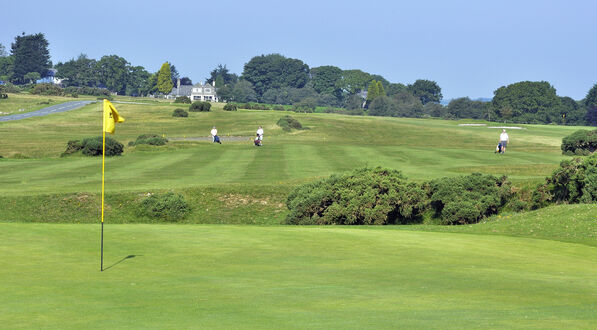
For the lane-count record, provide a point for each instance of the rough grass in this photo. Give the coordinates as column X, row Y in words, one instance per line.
column 23, row 103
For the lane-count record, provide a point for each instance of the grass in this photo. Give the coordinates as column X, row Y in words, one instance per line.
column 211, row 276
column 23, row 103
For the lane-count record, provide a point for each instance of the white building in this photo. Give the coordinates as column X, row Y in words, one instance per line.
column 205, row 92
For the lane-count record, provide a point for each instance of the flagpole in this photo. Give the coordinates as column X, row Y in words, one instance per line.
column 103, row 166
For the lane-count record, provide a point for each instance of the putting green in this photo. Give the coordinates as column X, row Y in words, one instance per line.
column 185, row 276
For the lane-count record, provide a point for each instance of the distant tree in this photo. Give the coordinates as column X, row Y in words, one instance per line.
column 354, row 102
column 6, row 67
column 165, row 79
column 383, row 106
column 591, row 106
column 433, row 109
column 327, row 80
column 408, row 105
column 31, row 54
column 225, row 93
column 353, row 81
column 2, row 50
column 112, row 72
column 31, row 77
column 394, row 89
column 527, row 102
column 243, row 91
column 275, row 71
column 380, row 90
column 372, row 91
column 186, row 81
column 426, row 91
column 150, row 86
column 174, row 75
column 463, row 107
column 221, row 70
column 78, row 72
column 219, row 82
column 571, row 112
column 137, row 79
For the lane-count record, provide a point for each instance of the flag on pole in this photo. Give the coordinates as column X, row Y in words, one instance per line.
column 111, row 117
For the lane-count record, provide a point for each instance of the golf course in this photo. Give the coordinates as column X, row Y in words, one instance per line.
column 232, row 262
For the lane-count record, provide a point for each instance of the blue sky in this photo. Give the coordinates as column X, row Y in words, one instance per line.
column 469, row 47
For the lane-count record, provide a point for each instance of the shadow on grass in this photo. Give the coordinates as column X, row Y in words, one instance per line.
column 121, row 260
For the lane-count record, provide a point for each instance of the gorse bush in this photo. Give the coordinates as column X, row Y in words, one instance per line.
column 151, row 139
column 179, row 113
column 581, row 142
column 366, row 196
column 169, row 206
column 288, row 123
column 93, row 147
column 467, row 199
column 183, row 99
column 575, row 181
column 47, row 89
column 230, row 107
column 198, row 106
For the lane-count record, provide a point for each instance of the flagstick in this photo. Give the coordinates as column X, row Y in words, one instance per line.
column 103, row 162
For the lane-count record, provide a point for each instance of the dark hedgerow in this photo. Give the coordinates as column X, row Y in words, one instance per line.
column 198, row 106
column 151, row 139
column 183, row 99
column 179, row 113
column 230, row 107
column 93, row 146
column 169, row 206
column 581, row 143
column 288, row 123
column 467, row 199
column 364, row 197
column 575, row 181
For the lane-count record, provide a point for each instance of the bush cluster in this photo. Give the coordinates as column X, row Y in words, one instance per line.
column 200, row 106
column 366, row 196
column 93, row 147
column 467, row 199
column 581, row 143
column 230, row 107
column 95, row 91
column 47, row 89
column 179, row 113
column 169, row 207
column 278, row 107
column 183, row 99
column 255, row 106
column 151, row 139
column 288, row 123
column 575, row 181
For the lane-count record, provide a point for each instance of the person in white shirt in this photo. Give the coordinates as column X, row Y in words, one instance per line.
column 260, row 133
column 504, row 139
column 214, row 135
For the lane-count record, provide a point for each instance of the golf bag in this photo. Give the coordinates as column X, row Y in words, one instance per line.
column 499, row 148
column 217, row 139
column 257, row 141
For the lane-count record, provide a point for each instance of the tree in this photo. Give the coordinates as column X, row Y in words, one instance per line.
column 372, row 91
column 173, row 74
column 353, row 81
column 591, row 106
column 31, row 54
column 78, row 72
column 426, row 91
column 112, row 72
column 354, row 102
column 394, row 89
column 221, row 70
column 571, row 112
column 165, row 79
column 2, row 50
column 6, row 67
column 527, row 102
column 383, row 106
column 408, row 105
column 380, row 89
column 463, row 107
column 137, row 79
column 327, row 80
column 275, row 71
column 31, row 77
column 219, row 81
column 243, row 91
column 186, row 81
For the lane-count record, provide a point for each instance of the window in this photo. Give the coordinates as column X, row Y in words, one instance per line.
column 208, row 90
column 196, row 97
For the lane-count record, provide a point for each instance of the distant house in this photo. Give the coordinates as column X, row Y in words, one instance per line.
column 180, row 90
column 205, row 92
column 50, row 78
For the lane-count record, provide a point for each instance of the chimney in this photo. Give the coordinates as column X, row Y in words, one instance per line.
column 178, row 86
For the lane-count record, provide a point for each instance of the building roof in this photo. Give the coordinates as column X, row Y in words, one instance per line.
column 185, row 90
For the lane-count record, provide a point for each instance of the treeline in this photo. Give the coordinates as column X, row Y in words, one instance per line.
column 276, row 79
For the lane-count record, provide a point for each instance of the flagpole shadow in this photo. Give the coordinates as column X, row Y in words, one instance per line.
column 130, row 256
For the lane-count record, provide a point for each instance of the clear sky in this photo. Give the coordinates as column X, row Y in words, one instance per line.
column 470, row 48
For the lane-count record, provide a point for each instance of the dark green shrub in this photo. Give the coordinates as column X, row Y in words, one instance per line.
column 575, row 181
column 183, row 99
column 247, row 106
column 75, row 95
column 47, row 89
column 151, row 139
column 230, row 107
column 306, row 105
column 366, row 196
column 169, row 206
column 93, row 146
column 200, row 106
column 179, row 113
column 72, row 146
column 288, row 123
column 580, row 143
column 467, row 199
column 279, row 107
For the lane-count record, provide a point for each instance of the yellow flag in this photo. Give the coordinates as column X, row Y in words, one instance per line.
column 111, row 116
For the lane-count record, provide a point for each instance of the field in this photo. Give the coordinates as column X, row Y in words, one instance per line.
column 516, row 270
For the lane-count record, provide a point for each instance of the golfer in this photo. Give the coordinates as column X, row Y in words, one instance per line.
column 504, row 139
column 260, row 133
column 214, row 135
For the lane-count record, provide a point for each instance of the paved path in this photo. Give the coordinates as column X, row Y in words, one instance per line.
column 49, row 110
column 208, row 138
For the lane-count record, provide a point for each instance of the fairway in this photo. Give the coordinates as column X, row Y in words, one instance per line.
column 185, row 276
